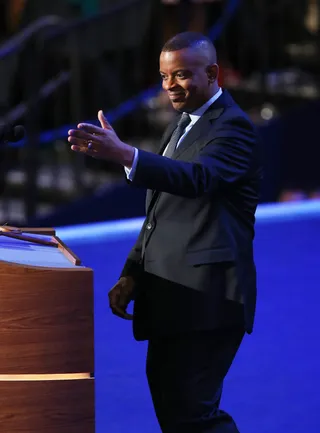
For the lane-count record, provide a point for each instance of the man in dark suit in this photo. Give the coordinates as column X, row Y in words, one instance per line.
column 191, row 272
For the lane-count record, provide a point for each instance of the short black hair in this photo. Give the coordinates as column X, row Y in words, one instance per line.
column 194, row 40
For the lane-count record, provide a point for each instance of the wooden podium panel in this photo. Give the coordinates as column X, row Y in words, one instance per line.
column 46, row 337
column 52, row 406
column 46, row 320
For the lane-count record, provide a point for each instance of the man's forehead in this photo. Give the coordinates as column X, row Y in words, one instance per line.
column 186, row 57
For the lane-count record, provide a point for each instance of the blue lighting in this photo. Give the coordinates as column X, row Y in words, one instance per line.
column 114, row 229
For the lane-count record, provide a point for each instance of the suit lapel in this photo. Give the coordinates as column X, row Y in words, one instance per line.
column 198, row 131
column 203, row 125
column 151, row 195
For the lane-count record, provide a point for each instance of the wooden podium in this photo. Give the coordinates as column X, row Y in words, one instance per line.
column 46, row 336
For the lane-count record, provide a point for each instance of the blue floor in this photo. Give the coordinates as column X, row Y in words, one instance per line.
column 274, row 384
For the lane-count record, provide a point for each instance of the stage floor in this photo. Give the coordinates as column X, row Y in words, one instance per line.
column 273, row 385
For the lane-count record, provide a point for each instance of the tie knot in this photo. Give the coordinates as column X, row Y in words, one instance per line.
column 177, row 133
column 184, row 120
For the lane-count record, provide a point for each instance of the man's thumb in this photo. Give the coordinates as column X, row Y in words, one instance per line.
column 103, row 121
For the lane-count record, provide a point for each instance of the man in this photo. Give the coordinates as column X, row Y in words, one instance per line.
column 191, row 272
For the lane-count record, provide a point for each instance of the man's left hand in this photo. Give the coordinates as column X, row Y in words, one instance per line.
column 101, row 142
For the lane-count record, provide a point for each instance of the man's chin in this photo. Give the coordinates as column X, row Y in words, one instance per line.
column 179, row 105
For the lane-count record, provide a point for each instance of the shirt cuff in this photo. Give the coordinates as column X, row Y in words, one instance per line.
column 131, row 171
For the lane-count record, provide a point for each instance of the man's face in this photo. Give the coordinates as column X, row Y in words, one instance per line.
column 187, row 78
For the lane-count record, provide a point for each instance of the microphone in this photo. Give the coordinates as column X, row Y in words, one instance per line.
column 11, row 133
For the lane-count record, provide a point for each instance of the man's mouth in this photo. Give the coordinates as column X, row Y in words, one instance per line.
column 174, row 96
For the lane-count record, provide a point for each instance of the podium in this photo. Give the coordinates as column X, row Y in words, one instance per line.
column 46, row 336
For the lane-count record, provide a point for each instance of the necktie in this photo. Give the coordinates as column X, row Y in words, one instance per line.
column 182, row 124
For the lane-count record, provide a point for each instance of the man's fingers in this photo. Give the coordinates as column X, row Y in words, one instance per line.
column 80, row 145
column 118, row 301
column 92, row 129
column 117, row 311
column 81, row 134
column 113, row 297
column 84, row 143
column 103, row 121
column 83, row 149
column 78, row 142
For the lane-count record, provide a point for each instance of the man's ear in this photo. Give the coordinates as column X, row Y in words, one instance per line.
column 212, row 72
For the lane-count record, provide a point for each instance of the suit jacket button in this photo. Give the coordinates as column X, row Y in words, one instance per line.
column 149, row 226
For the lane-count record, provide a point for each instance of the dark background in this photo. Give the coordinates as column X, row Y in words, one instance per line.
column 62, row 61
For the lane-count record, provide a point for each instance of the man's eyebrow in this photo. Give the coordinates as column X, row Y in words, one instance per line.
column 176, row 71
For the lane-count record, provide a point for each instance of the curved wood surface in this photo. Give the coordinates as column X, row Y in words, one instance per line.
column 62, row 406
column 46, row 320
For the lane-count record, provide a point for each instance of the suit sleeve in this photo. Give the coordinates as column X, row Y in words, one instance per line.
column 133, row 266
column 224, row 160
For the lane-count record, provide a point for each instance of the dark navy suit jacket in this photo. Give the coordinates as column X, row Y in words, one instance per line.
column 193, row 260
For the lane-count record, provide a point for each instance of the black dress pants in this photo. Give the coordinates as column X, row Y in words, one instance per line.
column 185, row 375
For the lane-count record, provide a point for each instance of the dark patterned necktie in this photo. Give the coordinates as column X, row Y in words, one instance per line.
column 177, row 133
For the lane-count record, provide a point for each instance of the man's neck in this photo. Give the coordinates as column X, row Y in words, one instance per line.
column 199, row 111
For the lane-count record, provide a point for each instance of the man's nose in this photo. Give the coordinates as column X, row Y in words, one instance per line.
column 169, row 83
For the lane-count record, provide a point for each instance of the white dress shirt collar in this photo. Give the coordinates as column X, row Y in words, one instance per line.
column 195, row 115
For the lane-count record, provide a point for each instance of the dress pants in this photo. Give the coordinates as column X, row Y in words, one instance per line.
column 185, row 375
